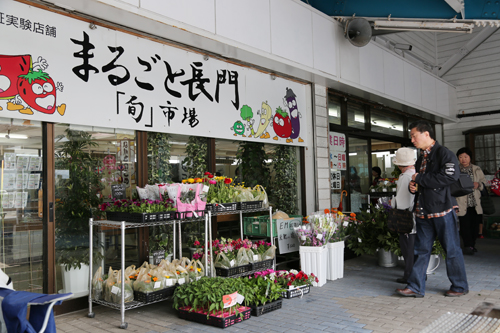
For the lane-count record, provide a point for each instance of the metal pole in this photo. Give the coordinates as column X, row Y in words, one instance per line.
column 122, row 305
column 175, row 239
column 90, row 267
column 210, row 244
column 241, row 224
column 271, row 233
column 206, row 244
column 180, row 240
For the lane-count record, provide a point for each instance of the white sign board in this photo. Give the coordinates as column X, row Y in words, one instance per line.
column 335, row 180
column 287, row 239
column 337, row 143
column 57, row 69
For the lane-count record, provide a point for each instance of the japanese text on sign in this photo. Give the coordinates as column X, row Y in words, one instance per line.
column 287, row 239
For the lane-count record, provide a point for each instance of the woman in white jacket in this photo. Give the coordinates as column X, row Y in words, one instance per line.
column 405, row 161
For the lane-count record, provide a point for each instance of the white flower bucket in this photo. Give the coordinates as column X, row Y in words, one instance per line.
column 314, row 259
column 335, row 260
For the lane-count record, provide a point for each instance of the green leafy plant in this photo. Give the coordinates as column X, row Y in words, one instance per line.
column 370, row 232
column 159, row 167
column 283, row 189
column 196, row 156
column 252, row 163
column 77, row 198
column 138, row 206
column 160, row 240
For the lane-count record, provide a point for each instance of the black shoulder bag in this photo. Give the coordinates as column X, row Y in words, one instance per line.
column 400, row 220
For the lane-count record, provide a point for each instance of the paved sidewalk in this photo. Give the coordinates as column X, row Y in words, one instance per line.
column 363, row 301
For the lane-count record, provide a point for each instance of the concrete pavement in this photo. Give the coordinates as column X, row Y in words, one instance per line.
column 363, row 301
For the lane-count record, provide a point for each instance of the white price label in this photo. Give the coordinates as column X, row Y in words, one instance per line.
column 205, row 188
column 181, row 280
column 157, row 284
column 115, row 290
column 240, row 299
column 170, row 282
column 232, row 262
column 255, row 257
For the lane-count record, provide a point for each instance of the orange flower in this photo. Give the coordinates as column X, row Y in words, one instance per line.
column 184, row 181
column 327, row 211
column 147, row 281
column 334, row 210
column 155, row 279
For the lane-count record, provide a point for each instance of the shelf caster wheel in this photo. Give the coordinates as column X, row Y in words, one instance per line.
column 91, row 315
column 124, row 326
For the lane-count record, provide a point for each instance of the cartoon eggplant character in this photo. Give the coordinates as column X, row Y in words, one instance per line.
column 291, row 102
column 281, row 124
column 266, row 113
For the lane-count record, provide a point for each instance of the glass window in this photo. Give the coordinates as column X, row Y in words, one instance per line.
column 359, row 175
column 487, row 152
column 333, row 110
column 355, row 115
column 22, row 203
column 91, row 164
column 387, row 123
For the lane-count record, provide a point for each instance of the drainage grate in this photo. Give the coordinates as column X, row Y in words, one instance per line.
column 463, row 323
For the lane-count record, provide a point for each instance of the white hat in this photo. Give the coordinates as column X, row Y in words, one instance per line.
column 404, row 157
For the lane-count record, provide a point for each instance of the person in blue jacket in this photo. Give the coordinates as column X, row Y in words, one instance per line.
column 436, row 169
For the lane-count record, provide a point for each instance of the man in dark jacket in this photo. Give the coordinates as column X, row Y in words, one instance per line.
column 436, row 169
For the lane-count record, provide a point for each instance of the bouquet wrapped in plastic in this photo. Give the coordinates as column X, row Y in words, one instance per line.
column 97, row 285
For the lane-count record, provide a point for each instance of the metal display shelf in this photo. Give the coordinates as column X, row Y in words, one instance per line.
column 123, row 225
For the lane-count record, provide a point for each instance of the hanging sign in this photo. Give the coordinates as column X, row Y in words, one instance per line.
column 337, row 143
column 60, row 70
column 335, row 180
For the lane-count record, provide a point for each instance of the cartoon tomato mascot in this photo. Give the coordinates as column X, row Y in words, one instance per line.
column 281, row 124
column 10, row 69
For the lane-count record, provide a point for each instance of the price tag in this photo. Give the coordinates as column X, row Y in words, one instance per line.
column 157, row 284
column 232, row 262
column 346, row 224
column 198, row 277
column 255, row 257
column 229, row 300
column 115, row 290
column 205, row 188
column 181, row 280
column 194, row 213
column 170, row 282
column 240, row 299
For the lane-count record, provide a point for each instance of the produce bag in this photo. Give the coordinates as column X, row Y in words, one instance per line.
column 182, row 275
column 185, row 262
column 195, row 270
column 143, row 283
column 242, row 257
column 108, row 284
column 222, row 261
column 259, row 193
column 270, row 253
column 157, row 278
column 97, row 285
column 116, row 291
column 170, row 276
column 252, row 256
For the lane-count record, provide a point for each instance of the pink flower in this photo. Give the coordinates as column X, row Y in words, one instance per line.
column 213, row 182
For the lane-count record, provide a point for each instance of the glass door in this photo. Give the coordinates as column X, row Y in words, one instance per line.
column 21, row 208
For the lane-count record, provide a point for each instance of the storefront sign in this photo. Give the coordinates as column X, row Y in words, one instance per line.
column 59, row 69
column 337, row 143
column 287, row 240
column 335, row 180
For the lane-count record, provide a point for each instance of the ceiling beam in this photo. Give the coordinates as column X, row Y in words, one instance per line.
column 474, row 42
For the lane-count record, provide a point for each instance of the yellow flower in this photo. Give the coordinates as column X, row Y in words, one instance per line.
column 184, row 181
column 199, row 180
column 167, row 276
column 199, row 269
column 190, row 180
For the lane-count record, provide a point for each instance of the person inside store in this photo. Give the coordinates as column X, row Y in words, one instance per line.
column 355, row 180
column 376, row 173
column 435, row 170
column 470, row 212
column 405, row 160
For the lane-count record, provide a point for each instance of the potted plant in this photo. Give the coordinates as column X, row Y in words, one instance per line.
column 252, row 163
column 284, row 184
column 336, row 244
column 196, row 156
column 159, row 166
column 160, row 247
column 77, row 200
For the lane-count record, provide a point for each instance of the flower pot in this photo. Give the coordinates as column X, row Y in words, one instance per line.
column 335, row 261
column 314, row 259
column 387, row 258
column 433, row 263
column 75, row 281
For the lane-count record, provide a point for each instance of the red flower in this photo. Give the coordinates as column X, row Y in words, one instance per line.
column 103, row 207
column 196, row 243
column 227, row 180
column 206, row 173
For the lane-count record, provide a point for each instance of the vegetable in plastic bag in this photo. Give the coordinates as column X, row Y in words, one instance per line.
column 270, row 253
column 222, row 261
column 242, row 257
column 97, row 285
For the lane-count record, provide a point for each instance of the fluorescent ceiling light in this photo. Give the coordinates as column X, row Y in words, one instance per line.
column 353, row 154
column 173, row 161
column 423, row 26
column 13, row 136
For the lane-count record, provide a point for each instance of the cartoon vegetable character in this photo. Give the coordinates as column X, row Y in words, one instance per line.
column 247, row 114
column 291, row 103
column 10, row 69
column 266, row 114
column 38, row 90
column 281, row 124
column 238, row 128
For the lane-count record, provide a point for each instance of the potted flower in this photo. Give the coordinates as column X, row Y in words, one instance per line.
column 221, row 195
column 145, row 210
column 160, row 247
column 336, row 244
column 195, row 247
column 212, row 301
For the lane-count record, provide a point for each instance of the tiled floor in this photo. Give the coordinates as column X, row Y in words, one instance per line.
column 363, row 301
